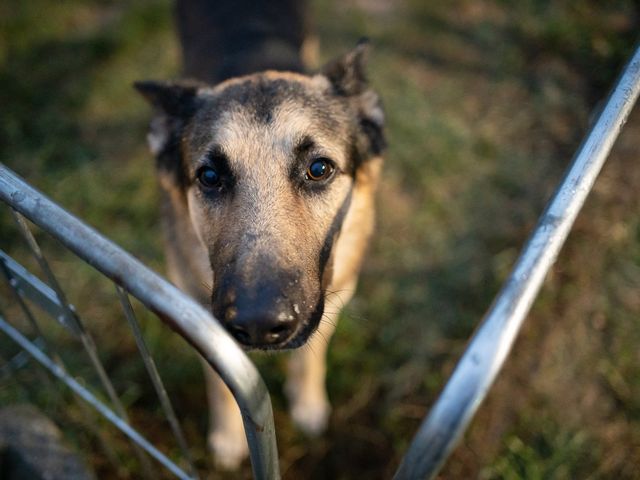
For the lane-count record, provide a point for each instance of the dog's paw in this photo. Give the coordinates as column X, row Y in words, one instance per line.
column 311, row 414
column 228, row 450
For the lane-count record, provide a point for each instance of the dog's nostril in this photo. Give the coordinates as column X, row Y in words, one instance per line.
column 278, row 333
column 240, row 334
column 280, row 330
column 259, row 328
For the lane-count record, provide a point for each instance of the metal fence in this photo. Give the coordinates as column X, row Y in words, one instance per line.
column 449, row 417
column 177, row 310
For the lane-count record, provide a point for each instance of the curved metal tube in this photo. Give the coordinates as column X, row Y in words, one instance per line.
column 487, row 351
column 183, row 314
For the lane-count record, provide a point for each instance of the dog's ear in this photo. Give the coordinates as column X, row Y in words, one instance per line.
column 176, row 99
column 347, row 73
column 347, row 76
column 174, row 103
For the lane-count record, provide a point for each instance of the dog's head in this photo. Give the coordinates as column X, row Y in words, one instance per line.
column 265, row 166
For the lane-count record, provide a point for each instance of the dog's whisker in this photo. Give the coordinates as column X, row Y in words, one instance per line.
column 324, row 339
column 332, row 304
column 329, row 320
column 308, row 347
column 329, row 298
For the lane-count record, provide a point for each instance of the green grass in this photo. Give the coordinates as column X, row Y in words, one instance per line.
column 486, row 103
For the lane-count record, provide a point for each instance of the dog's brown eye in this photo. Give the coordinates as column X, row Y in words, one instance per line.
column 208, row 177
column 320, row 169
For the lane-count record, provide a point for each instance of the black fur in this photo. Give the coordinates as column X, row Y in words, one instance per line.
column 221, row 39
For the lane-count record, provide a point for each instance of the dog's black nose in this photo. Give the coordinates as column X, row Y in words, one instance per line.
column 264, row 312
column 260, row 329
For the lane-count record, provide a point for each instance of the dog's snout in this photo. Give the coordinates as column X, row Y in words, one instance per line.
column 264, row 310
column 261, row 329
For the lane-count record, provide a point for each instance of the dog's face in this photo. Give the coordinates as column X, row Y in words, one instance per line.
column 265, row 166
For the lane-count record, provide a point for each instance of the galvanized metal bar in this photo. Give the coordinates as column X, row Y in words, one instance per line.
column 23, row 357
column 85, row 337
column 38, row 292
column 88, row 397
column 150, row 365
column 176, row 309
column 487, row 351
column 13, row 284
column 31, row 319
column 70, row 316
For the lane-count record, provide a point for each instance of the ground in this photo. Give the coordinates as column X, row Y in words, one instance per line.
column 486, row 103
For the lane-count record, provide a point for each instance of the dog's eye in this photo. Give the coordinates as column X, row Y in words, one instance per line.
column 320, row 169
column 208, row 177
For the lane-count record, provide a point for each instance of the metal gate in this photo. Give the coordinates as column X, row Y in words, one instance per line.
column 448, row 418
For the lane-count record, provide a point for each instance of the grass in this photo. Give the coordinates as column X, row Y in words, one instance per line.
column 486, row 103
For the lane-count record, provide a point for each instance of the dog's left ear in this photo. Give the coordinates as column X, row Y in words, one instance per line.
column 347, row 75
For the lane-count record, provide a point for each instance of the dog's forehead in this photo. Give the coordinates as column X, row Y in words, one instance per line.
column 260, row 94
column 267, row 111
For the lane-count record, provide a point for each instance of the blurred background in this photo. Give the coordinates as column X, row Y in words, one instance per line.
column 486, row 103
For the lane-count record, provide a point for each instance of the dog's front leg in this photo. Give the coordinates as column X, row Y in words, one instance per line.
column 226, row 438
column 306, row 382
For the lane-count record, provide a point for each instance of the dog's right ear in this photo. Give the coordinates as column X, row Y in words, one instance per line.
column 176, row 99
column 174, row 103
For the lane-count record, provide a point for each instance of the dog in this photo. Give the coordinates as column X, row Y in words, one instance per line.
column 268, row 177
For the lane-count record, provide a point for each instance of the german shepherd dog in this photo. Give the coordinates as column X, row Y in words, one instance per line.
column 267, row 177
